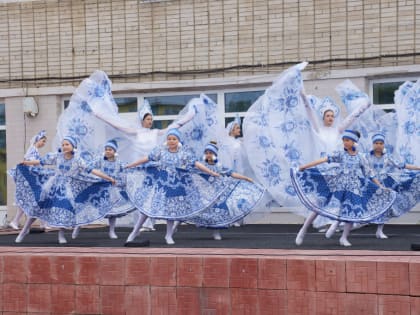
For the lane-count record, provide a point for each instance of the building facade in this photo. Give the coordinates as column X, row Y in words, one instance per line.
column 168, row 51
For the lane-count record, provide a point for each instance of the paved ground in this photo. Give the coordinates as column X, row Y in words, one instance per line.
column 254, row 236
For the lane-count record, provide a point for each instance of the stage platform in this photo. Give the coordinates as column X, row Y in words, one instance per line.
column 253, row 270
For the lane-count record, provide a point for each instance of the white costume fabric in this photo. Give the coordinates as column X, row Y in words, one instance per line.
column 283, row 129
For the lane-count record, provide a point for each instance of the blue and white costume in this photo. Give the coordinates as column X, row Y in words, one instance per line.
column 64, row 198
column 171, row 190
column 284, row 129
column 347, row 194
column 392, row 175
column 234, row 204
column 408, row 116
column 116, row 170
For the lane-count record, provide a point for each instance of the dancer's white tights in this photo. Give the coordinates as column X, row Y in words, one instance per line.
column 136, row 230
column 112, row 222
column 308, row 221
column 25, row 230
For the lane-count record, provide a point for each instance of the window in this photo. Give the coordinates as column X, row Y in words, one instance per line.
column 382, row 91
column 237, row 103
column 126, row 104
column 3, row 176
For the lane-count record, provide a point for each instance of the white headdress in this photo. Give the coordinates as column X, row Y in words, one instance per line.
column 326, row 105
column 236, row 121
column 144, row 110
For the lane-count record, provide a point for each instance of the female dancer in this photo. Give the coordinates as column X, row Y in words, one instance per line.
column 390, row 174
column 37, row 142
column 92, row 117
column 236, row 203
column 282, row 130
column 170, row 191
column 112, row 166
column 349, row 193
column 66, row 198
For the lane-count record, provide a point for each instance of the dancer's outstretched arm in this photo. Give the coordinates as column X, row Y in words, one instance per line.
column 205, row 169
column 240, row 176
column 103, row 176
column 313, row 163
column 412, row 167
column 138, row 162
column 31, row 163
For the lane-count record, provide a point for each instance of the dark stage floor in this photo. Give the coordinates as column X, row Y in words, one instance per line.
column 255, row 236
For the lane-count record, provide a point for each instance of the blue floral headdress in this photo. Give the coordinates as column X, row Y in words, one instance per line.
column 38, row 136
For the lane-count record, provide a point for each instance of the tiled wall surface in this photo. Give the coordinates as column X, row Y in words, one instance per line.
column 52, row 41
column 212, row 281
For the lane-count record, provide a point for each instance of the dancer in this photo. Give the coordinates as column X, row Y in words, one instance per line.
column 349, row 193
column 110, row 164
column 390, row 173
column 236, row 203
column 65, row 198
column 279, row 133
column 171, row 191
column 92, row 117
column 37, row 142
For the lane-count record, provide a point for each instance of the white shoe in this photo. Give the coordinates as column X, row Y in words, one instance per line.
column 14, row 226
column 217, row 236
column 344, row 242
column 299, row 238
column 61, row 237
column 381, row 235
column 21, row 236
column 75, row 233
column 169, row 240
column 112, row 235
column 147, row 229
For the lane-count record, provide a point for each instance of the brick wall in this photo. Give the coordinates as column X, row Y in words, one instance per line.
column 215, row 281
column 187, row 39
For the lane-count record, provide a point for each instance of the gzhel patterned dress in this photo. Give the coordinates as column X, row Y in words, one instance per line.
column 346, row 193
column 116, row 170
column 236, row 202
column 171, row 190
column 65, row 198
column 392, row 175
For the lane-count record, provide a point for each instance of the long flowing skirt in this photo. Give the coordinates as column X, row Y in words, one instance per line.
column 342, row 197
column 62, row 201
column 173, row 194
column 236, row 202
column 407, row 186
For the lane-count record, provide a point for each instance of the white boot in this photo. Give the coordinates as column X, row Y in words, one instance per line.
column 380, row 233
column 302, row 232
column 346, row 231
column 25, row 230
column 112, row 221
column 61, row 237
column 169, row 232
column 75, row 233
column 216, row 235
column 14, row 224
column 136, row 229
